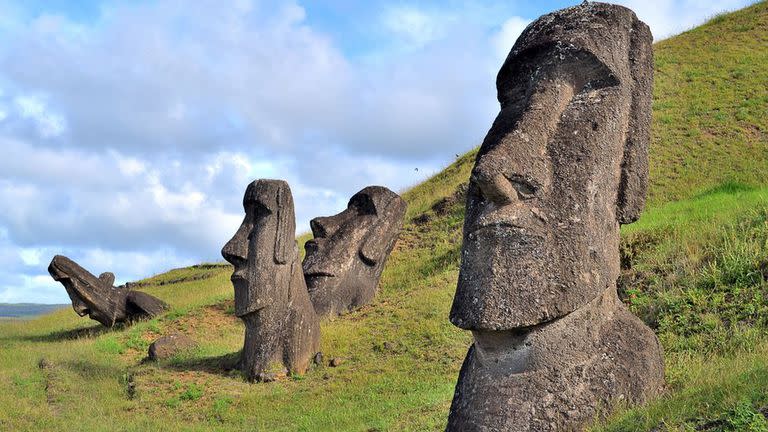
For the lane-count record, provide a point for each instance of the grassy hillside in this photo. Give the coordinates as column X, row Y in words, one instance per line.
column 694, row 268
column 710, row 109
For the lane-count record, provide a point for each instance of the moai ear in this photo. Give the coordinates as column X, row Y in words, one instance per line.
column 633, row 184
column 108, row 279
column 376, row 243
column 286, row 226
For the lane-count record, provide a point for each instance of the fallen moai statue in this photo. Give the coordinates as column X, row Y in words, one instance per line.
column 344, row 261
column 98, row 298
column 564, row 164
column 281, row 327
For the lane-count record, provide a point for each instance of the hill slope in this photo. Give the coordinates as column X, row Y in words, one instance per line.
column 710, row 110
column 695, row 270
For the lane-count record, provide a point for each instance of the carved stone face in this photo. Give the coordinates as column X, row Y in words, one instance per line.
column 553, row 179
column 263, row 248
column 343, row 263
column 89, row 295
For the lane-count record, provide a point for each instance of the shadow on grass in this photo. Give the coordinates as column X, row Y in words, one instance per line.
column 226, row 365
column 89, row 369
column 64, row 335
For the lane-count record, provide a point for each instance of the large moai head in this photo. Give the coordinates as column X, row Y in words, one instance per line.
column 564, row 164
column 281, row 327
column 264, row 247
column 344, row 261
column 90, row 295
column 98, row 298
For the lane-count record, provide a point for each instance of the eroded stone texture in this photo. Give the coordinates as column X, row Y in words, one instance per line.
column 563, row 165
column 168, row 346
column 281, row 327
column 344, row 262
column 98, row 298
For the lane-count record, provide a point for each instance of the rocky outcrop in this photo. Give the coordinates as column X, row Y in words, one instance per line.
column 168, row 346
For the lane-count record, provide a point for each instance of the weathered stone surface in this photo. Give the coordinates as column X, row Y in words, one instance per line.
column 107, row 278
column 344, row 262
column 556, row 376
column 563, row 165
column 141, row 303
column 281, row 327
column 167, row 346
column 97, row 298
column 318, row 359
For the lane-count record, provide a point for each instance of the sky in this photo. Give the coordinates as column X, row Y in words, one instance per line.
column 129, row 130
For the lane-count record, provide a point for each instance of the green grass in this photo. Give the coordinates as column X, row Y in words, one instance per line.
column 710, row 109
column 694, row 269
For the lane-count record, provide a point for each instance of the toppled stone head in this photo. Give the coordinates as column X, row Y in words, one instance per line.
column 344, row 262
column 564, row 164
column 98, row 298
column 271, row 297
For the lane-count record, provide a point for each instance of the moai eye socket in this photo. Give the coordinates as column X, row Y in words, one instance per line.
column 525, row 189
column 363, row 204
column 261, row 209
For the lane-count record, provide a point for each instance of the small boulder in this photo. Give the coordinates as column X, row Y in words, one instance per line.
column 336, row 361
column 265, row 377
column 168, row 346
column 44, row 363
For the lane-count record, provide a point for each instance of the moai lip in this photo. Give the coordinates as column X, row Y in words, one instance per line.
column 563, row 165
column 281, row 327
column 344, row 261
column 98, row 298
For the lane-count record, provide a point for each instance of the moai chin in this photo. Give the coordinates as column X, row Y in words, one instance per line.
column 564, row 164
column 98, row 298
column 344, row 261
column 281, row 327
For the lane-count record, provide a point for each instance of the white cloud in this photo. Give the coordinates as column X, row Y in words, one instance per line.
column 129, row 151
column 414, row 26
column 130, row 167
column 669, row 17
column 30, row 257
column 505, row 39
column 49, row 124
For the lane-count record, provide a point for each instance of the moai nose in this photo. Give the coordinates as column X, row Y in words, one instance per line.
column 236, row 249
column 323, row 226
column 494, row 185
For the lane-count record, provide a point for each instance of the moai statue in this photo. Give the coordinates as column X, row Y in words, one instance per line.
column 98, row 298
column 281, row 327
column 344, row 262
column 564, row 164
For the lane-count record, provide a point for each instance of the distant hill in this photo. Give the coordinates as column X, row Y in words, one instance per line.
column 26, row 310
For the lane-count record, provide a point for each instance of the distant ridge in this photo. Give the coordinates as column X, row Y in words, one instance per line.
column 26, row 310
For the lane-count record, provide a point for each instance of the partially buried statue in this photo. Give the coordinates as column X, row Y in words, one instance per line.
column 281, row 327
column 98, row 298
column 564, row 164
column 344, row 262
